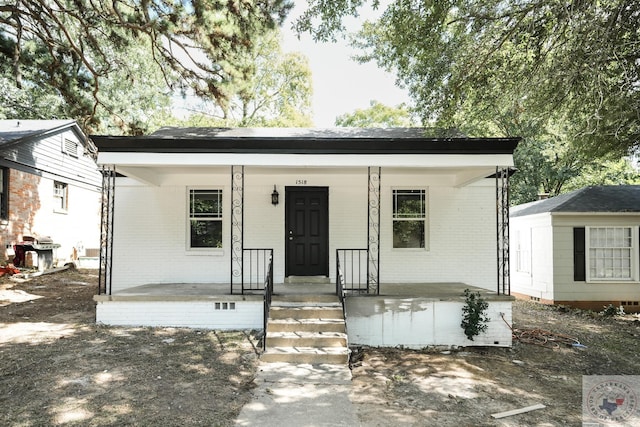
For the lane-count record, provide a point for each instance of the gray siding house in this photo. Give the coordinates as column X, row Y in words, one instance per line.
column 50, row 193
column 580, row 249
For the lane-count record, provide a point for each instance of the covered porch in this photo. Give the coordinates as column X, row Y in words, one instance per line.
column 400, row 222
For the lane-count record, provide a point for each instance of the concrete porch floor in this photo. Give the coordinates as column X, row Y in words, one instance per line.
column 222, row 291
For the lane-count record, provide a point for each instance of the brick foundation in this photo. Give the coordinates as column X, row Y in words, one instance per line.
column 629, row 306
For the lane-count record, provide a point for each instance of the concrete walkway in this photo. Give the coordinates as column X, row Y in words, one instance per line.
column 300, row 395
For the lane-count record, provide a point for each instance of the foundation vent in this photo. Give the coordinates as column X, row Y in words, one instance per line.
column 225, row 305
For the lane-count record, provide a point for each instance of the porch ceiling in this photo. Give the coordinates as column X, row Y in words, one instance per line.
column 449, row 175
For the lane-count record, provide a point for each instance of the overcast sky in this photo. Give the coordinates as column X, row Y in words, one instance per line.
column 340, row 85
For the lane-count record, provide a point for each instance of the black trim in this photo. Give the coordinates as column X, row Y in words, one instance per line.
column 579, row 267
column 302, row 145
column 4, row 198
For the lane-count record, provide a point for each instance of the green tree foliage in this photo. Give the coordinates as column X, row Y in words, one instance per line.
column 565, row 76
column 275, row 91
column 574, row 62
column 73, row 46
column 377, row 115
column 608, row 172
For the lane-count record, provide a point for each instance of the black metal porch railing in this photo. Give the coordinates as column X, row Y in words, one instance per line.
column 256, row 269
column 268, row 293
column 352, row 270
column 340, row 287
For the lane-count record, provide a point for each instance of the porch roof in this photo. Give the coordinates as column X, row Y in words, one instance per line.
column 305, row 141
column 185, row 150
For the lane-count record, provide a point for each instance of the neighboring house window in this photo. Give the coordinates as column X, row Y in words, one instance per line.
column 60, row 196
column 4, row 193
column 205, row 218
column 409, row 218
column 611, row 253
column 523, row 252
column 70, row 147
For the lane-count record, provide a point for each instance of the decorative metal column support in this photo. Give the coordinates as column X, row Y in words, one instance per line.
column 237, row 229
column 373, row 232
column 106, row 229
column 502, row 222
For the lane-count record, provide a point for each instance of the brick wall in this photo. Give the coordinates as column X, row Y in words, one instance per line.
column 24, row 203
column 151, row 227
column 422, row 322
column 192, row 314
column 32, row 213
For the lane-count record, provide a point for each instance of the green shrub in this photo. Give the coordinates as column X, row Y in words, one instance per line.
column 474, row 314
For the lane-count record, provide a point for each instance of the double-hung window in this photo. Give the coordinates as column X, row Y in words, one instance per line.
column 523, row 251
column 60, row 199
column 205, row 219
column 611, row 253
column 409, row 218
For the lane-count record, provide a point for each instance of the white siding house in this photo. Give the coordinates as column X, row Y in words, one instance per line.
column 193, row 208
column 579, row 249
column 51, row 191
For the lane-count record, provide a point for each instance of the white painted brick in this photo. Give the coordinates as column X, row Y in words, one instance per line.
column 420, row 322
column 191, row 314
column 150, row 226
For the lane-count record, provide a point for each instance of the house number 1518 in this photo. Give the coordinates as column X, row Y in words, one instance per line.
column 301, row 182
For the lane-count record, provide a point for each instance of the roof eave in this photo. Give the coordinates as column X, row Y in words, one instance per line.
column 293, row 145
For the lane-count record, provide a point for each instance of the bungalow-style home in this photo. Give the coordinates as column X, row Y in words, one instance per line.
column 51, row 193
column 399, row 221
column 579, row 249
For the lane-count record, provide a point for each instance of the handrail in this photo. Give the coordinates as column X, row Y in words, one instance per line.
column 353, row 267
column 340, row 287
column 268, row 293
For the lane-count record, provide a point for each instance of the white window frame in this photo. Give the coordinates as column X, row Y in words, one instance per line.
column 60, row 197
column 219, row 217
column 425, row 216
column 612, row 250
column 523, row 251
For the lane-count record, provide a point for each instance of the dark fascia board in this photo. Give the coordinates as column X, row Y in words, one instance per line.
column 302, row 145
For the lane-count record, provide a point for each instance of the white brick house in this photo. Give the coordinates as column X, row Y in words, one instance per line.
column 188, row 205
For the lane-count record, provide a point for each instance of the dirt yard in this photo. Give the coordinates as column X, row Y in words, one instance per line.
column 57, row 367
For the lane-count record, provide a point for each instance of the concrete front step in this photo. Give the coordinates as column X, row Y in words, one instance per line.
column 306, row 339
column 314, row 312
column 305, row 298
column 311, row 355
column 301, row 280
column 305, row 325
column 315, row 304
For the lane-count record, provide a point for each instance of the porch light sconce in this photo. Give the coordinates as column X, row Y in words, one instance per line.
column 275, row 197
column 4, row 224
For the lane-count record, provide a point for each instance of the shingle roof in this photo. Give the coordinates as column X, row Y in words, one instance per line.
column 306, row 141
column 603, row 198
column 12, row 131
column 307, row 133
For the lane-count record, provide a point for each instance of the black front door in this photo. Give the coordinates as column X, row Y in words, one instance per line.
column 307, row 231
